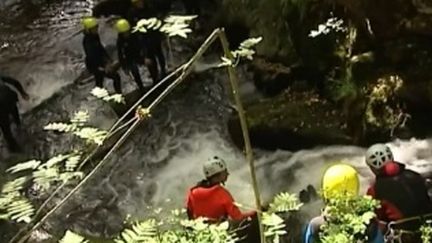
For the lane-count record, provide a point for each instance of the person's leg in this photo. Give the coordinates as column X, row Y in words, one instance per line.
column 116, row 81
column 158, row 51
column 99, row 78
column 136, row 75
column 153, row 69
column 7, row 134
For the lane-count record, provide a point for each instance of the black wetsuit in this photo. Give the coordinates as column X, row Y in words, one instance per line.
column 153, row 38
column 131, row 53
column 96, row 60
column 8, row 108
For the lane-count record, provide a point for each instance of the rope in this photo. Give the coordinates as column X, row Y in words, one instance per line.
column 395, row 235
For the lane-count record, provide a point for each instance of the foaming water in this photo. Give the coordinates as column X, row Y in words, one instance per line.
column 163, row 158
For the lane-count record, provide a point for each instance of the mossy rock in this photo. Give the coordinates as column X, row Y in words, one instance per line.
column 292, row 121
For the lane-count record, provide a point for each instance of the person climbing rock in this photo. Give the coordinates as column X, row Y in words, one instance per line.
column 209, row 199
column 8, row 109
column 339, row 179
column 131, row 52
column 143, row 9
column 405, row 204
column 97, row 59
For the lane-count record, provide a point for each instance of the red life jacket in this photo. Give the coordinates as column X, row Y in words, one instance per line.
column 214, row 203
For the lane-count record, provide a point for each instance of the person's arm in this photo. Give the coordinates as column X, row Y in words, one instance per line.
column 313, row 230
column 231, row 209
column 188, row 203
column 15, row 83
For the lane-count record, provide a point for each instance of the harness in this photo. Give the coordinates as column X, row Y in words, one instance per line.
column 394, row 235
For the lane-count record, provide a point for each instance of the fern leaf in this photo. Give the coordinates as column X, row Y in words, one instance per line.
column 251, row 42
column 21, row 210
column 92, row 134
column 60, row 127
column 70, row 175
column 80, row 118
column 141, row 232
column 117, row 98
column 44, row 177
column 32, row 164
column 176, row 29
column 285, row 202
column 99, row 92
column 54, row 161
column 15, row 185
column 71, row 237
column 105, row 96
column 72, row 162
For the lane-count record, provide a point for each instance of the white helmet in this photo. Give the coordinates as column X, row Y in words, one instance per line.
column 378, row 155
column 213, row 166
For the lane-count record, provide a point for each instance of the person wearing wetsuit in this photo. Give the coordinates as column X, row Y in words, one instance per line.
column 339, row 179
column 97, row 59
column 8, row 109
column 402, row 193
column 131, row 52
column 142, row 9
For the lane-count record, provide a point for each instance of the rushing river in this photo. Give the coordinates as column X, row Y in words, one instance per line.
column 164, row 156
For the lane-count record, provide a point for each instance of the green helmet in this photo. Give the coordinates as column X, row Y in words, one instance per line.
column 89, row 23
column 122, row 25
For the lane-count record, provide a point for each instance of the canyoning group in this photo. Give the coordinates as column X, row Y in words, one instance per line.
column 404, row 201
column 402, row 193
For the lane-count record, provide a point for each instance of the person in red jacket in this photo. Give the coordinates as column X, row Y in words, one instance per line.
column 402, row 193
column 210, row 199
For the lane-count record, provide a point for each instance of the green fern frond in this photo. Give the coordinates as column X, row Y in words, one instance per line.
column 71, row 237
column 44, row 177
column 172, row 25
column 99, row 92
column 21, row 210
column 144, row 231
column 70, row 175
column 60, row 127
column 15, row 185
column 72, row 162
column 285, row 202
column 32, row 164
column 105, row 96
column 16, row 207
column 251, row 42
column 91, row 134
column 54, row 161
column 80, row 118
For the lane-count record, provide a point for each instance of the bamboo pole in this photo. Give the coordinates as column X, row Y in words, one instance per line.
column 243, row 122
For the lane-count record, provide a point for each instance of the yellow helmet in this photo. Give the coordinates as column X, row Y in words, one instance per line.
column 122, row 25
column 89, row 23
column 340, row 179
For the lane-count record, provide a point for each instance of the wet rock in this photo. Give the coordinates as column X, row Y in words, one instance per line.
column 291, row 121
